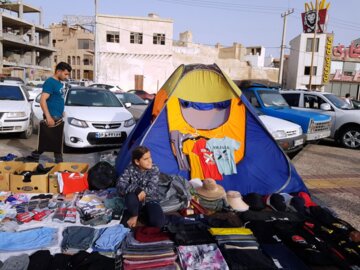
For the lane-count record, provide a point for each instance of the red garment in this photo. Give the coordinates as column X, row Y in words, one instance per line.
column 147, row 265
column 150, row 234
column 207, row 161
column 307, row 199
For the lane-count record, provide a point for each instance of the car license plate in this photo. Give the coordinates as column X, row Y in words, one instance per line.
column 108, row 135
column 298, row 142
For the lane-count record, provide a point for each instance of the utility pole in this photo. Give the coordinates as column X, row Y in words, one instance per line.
column 283, row 15
column 313, row 45
column 96, row 45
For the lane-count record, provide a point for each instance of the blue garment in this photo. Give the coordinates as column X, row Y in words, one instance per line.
column 110, row 238
column 223, row 150
column 55, row 102
column 29, row 239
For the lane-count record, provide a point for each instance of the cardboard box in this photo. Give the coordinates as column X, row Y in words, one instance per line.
column 6, row 168
column 61, row 167
column 37, row 183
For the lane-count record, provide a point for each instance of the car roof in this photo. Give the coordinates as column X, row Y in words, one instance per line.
column 11, row 84
column 88, row 88
column 303, row 91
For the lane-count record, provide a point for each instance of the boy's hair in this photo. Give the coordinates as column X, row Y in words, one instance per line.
column 138, row 152
column 347, row 95
column 63, row 66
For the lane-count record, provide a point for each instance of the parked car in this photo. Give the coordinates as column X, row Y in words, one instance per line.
column 12, row 80
column 356, row 104
column 345, row 119
column 15, row 110
column 287, row 134
column 93, row 117
column 143, row 94
column 270, row 102
column 34, row 91
column 112, row 88
column 135, row 104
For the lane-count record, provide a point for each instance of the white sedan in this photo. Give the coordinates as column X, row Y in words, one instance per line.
column 93, row 117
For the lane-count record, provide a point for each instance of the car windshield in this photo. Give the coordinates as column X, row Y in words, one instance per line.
column 338, row 102
column 92, row 98
column 272, row 99
column 8, row 92
column 130, row 98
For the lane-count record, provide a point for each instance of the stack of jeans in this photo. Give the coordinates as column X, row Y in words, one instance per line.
column 76, row 238
column 149, row 254
column 241, row 249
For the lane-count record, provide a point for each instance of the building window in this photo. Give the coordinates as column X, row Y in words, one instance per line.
column 309, row 44
column 54, row 42
column 69, row 60
column 55, row 59
column 88, row 60
column 85, row 44
column 307, row 70
column 73, row 74
column 136, row 38
column 113, row 37
column 159, row 39
column 73, row 60
column 78, row 74
column 78, row 60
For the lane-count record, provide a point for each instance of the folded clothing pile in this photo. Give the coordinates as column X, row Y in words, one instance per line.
column 201, row 257
column 190, row 234
column 92, row 210
column 35, row 238
column 241, row 249
column 148, row 248
column 105, row 240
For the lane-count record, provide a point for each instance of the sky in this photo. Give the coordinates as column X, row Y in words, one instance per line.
column 255, row 22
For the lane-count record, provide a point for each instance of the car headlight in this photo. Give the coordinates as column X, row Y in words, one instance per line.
column 279, row 134
column 77, row 123
column 129, row 123
column 300, row 131
column 15, row 114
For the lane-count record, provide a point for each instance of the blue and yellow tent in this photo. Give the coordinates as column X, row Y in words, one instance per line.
column 202, row 100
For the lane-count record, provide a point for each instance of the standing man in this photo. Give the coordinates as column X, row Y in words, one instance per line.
column 348, row 99
column 52, row 103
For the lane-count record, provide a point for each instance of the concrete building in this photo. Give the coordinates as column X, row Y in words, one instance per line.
column 74, row 44
column 141, row 53
column 345, row 70
column 25, row 47
column 297, row 73
column 134, row 52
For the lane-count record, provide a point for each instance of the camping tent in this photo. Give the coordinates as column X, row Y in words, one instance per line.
column 202, row 101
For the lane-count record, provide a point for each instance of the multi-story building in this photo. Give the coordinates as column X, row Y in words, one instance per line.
column 140, row 53
column 25, row 47
column 134, row 52
column 74, row 44
column 297, row 73
column 345, row 70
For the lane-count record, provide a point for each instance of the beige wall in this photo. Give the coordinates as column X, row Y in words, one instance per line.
column 66, row 44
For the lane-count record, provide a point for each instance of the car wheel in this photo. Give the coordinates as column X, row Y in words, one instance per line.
column 29, row 131
column 350, row 137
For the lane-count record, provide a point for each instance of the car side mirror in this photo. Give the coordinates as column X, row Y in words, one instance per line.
column 325, row 107
column 127, row 105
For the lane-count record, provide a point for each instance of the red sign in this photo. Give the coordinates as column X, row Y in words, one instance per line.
column 353, row 51
column 309, row 21
column 345, row 78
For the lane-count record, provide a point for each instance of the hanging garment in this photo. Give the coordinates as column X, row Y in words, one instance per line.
column 177, row 139
column 234, row 127
column 196, row 171
column 207, row 160
column 224, row 154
